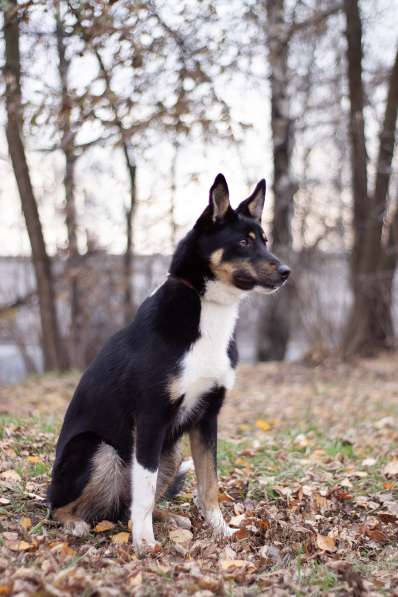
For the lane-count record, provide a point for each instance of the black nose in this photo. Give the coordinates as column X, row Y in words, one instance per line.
column 283, row 271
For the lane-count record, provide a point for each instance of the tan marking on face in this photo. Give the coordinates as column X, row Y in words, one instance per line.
column 265, row 268
column 225, row 270
column 252, row 235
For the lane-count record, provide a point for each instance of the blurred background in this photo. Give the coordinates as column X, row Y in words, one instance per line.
column 117, row 115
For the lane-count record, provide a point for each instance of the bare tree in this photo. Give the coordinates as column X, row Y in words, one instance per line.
column 369, row 325
column 274, row 331
column 53, row 352
column 68, row 148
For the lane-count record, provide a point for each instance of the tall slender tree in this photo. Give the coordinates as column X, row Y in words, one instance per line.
column 53, row 351
column 67, row 146
column 369, row 327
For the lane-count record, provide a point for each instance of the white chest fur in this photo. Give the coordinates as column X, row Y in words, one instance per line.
column 207, row 364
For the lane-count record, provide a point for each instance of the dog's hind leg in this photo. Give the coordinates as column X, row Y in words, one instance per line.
column 89, row 482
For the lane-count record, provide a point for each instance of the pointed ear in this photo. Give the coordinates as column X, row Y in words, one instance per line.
column 252, row 207
column 219, row 198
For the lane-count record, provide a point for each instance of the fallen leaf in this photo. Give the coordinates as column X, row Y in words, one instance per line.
column 369, row 462
column 391, row 469
column 231, row 568
column 4, row 501
column 33, row 459
column 389, row 485
column 5, row 589
column 120, row 538
column 387, row 517
column 263, row 425
column 104, row 525
column 18, row 545
column 25, row 523
column 10, row 536
column 326, row 543
column 236, row 521
column 11, row 476
column 135, row 580
column 376, row 535
column 208, row 583
column 181, row 537
column 63, row 549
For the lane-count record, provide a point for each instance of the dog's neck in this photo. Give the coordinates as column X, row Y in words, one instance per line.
column 221, row 293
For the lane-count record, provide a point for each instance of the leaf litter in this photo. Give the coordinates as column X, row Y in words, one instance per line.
column 308, row 480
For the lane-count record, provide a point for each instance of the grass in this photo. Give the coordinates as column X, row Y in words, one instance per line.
column 306, row 472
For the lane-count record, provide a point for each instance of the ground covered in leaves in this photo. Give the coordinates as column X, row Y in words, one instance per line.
column 308, row 462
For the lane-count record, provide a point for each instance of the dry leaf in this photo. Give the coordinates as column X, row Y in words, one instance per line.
column 18, row 545
column 181, row 537
column 391, row 469
column 326, row 543
column 236, row 521
column 376, row 535
column 33, row 459
column 63, row 549
column 11, row 476
column 4, row 501
column 25, row 523
column 263, row 424
column 5, row 589
column 231, row 568
column 135, row 580
column 104, row 525
column 120, row 538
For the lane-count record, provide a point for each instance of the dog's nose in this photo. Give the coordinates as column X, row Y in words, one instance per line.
column 284, row 271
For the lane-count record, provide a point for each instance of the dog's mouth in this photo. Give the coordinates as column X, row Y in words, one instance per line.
column 244, row 282
column 269, row 287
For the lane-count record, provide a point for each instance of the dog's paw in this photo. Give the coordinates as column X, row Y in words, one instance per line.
column 145, row 547
column 219, row 527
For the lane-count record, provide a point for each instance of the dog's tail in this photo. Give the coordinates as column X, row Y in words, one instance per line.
column 178, row 483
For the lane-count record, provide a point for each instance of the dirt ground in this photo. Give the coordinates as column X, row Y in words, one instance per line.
column 308, row 463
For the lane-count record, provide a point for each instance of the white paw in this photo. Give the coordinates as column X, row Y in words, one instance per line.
column 78, row 528
column 219, row 527
column 143, row 546
column 225, row 531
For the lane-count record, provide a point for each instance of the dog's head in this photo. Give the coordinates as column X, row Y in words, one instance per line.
column 234, row 244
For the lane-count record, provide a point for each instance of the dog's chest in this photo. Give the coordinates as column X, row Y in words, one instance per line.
column 206, row 365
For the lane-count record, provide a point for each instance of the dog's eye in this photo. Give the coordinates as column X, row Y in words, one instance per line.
column 245, row 242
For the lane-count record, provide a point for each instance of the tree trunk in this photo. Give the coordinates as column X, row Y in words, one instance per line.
column 369, row 326
column 53, row 353
column 68, row 148
column 275, row 325
column 128, row 254
column 173, row 187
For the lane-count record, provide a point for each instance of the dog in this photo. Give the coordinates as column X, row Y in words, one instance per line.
column 163, row 375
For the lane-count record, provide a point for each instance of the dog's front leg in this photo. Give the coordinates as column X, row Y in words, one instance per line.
column 145, row 466
column 203, row 440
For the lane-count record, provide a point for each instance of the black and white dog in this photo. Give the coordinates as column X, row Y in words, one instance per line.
column 165, row 374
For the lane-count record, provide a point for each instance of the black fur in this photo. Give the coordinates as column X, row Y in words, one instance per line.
column 123, row 396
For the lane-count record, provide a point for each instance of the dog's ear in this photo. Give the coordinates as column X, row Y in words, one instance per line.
column 219, row 198
column 252, row 207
